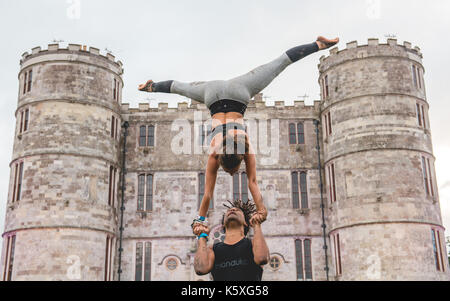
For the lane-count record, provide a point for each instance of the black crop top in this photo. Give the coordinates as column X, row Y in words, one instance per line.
column 226, row 106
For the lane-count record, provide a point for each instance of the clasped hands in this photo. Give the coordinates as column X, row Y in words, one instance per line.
column 259, row 217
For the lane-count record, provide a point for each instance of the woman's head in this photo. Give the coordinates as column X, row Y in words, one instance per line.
column 234, row 148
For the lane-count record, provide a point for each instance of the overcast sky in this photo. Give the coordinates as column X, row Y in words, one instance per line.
column 192, row 40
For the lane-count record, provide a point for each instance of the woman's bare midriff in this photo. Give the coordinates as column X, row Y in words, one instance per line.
column 221, row 118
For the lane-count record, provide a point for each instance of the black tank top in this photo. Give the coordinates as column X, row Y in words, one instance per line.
column 235, row 262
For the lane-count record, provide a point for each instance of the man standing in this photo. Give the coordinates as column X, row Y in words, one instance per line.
column 237, row 258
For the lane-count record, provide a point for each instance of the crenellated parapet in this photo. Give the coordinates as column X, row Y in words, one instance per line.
column 373, row 48
column 73, row 52
column 185, row 107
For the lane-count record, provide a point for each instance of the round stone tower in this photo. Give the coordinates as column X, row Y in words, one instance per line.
column 62, row 202
column 384, row 218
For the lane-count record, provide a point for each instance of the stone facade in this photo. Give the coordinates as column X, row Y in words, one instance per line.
column 66, row 223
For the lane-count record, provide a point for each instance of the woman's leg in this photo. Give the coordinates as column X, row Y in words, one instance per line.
column 194, row 90
column 259, row 78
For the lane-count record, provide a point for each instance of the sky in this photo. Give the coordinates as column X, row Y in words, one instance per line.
column 216, row 39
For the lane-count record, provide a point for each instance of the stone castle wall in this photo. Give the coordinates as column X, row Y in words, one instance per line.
column 67, row 152
column 382, row 213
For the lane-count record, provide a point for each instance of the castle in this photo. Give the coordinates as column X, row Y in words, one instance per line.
column 349, row 181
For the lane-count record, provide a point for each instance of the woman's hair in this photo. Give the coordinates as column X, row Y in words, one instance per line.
column 247, row 208
column 234, row 147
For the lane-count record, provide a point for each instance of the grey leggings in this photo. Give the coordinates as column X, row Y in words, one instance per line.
column 241, row 88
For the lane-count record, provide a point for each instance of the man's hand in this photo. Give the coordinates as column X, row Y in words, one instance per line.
column 259, row 217
column 199, row 228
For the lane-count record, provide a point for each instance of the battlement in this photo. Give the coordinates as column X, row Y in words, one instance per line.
column 71, row 49
column 371, row 49
column 183, row 106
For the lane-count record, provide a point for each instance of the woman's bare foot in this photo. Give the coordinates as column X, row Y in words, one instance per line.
column 147, row 87
column 325, row 43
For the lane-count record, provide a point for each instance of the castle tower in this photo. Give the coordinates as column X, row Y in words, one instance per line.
column 383, row 207
column 61, row 217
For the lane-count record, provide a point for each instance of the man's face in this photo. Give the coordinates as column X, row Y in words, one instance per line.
column 236, row 215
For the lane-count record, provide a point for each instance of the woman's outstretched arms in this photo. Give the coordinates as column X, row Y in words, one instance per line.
column 250, row 165
column 210, row 181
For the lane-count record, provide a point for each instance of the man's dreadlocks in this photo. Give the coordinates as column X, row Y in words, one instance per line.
column 248, row 208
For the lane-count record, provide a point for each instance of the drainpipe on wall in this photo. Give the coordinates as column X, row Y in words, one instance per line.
column 122, row 207
column 322, row 205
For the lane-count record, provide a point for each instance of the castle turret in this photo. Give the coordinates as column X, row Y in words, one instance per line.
column 384, row 215
column 61, row 217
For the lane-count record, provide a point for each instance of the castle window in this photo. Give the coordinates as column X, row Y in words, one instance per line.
column 28, row 80
column 426, row 171
column 9, row 258
column 275, row 263
column 331, row 182
column 303, row 259
column 201, row 190
column 438, row 250
column 145, row 192
column 25, row 82
column 337, row 253
column 240, row 187
column 17, row 189
column 171, row 264
column 108, row 257
column 420, row 114
column 112, row 186
column 147, row 135
column 414, row 73
column 417, row 77
column 299, row 190
column 113, row 126
column 116, row 90
column 325, row 88
column 143, row 261
column 292, row 136
column 327, row 124
column 296, row 133
column 24, row 121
